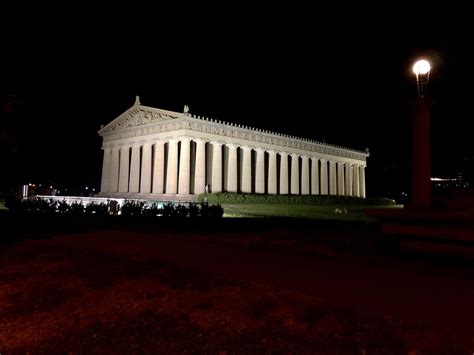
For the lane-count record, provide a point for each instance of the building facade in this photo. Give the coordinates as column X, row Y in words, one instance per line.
column 151, row 153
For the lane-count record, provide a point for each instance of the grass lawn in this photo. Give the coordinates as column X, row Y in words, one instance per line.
column 349, row 213
column 2, row 203
column 112, row 291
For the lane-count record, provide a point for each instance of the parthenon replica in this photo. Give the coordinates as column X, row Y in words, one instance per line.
column 154, row 154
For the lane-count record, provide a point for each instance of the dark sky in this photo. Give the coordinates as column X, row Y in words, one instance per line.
column 345, row 80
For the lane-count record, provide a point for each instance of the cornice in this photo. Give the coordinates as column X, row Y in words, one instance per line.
column 142, row 120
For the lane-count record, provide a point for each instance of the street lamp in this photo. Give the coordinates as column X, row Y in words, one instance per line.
column 421, row 149
column 422, row 71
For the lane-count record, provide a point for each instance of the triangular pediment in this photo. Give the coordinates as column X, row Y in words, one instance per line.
column 139, row 115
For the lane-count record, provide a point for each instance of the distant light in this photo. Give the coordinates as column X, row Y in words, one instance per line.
column 29, row 184
column 87, row 188
column 421, row 67
column 50, row 187
column 93, row 189
column 446, row 179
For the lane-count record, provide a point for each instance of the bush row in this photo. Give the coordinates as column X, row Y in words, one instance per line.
column 237, row 198
column 40, row 206
column 141, row 208
column 128, row 208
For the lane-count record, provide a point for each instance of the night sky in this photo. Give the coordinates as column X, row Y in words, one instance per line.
column 315, row 76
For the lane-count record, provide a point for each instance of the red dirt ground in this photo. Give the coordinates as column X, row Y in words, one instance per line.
column 115, row 291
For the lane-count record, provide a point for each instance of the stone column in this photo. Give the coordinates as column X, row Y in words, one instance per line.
column 216, row 167
column 356, row 191
column 200, row 170
column 362, row 181
column 145, row 177
column 114, row 170
column 246, row 169
column 105, row 181
column 305, row 176
column 232, row 169
column 124, row 169
column 348, row 177
column 332, row 178
column 185, row 166
column 172, row 170
column 159, row 168
column 340, row 179
column 314, row 176
column 272, row 172
column 324, row 177
column 284, row 173
column 135, row 170
column 260, row 172
column 295, row 175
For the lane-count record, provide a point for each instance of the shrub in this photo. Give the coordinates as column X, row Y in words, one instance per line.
column 168, row 210
column 128, row 208
column 152, row 210
column 132, row 208
column 193, row 210
column 99, row 209
column 181, row 211
column 214, row 211
column 13, row 203
column 61, row 206
column 204, row 209
column 35, row 205
column 76, row 208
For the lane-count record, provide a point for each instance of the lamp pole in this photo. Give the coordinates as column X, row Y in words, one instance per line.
column 421, row 149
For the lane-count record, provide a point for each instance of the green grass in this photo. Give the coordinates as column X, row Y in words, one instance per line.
column 2, row 204
column 354, row 213
column 232, row 198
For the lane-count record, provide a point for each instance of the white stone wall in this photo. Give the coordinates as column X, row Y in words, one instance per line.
column 150, row 152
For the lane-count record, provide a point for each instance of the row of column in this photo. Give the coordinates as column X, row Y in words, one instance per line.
column 145, row 169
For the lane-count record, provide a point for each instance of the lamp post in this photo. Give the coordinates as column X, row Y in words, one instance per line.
column 421, row 154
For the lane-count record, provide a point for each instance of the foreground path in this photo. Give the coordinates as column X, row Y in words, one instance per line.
column 409, row 291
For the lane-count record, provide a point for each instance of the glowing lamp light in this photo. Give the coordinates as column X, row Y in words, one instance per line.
column 422, row 70
column 421, row 67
